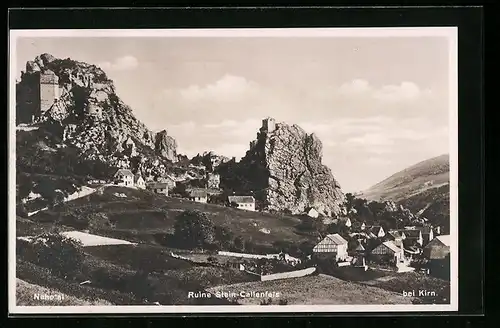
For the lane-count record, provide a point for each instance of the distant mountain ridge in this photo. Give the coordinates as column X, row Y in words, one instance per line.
column 424, row 188
column 428, row 174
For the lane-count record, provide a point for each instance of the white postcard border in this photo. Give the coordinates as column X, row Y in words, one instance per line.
column 451, row 33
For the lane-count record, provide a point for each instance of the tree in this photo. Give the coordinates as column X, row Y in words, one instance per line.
column 25, row 185
column 180, row 189
column 349, row 201
column 238, row 243
column 223, row 237
column 61, row 255
column 194, row 229
column 306, row 248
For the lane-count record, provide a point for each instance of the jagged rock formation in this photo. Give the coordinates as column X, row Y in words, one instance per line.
column 76, row 103
column 284, row 171
column 166, row 146
column 210, row 160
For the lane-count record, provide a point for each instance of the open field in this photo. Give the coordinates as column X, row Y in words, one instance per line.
column 26, row 294
column 413, row 281
column 316, row 290
column 211, row 276
column 88, row 239
column 141, row 257
column 142, row 216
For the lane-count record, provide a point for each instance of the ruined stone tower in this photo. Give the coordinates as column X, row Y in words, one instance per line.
column 49, row 90
column 268, row 125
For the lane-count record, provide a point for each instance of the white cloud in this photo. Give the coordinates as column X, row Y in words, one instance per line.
column 120, row 64
column 371, row 139
column 227, row 88
column 355, row 87
column 405, row 91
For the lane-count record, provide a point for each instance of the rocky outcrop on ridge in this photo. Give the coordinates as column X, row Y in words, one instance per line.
column 284, row 170
column 90, row 117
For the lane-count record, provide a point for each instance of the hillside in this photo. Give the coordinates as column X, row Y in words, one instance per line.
column 73, row 127
column 145, row 217
column 428, row 174
column 422, row 188
column 315, row 290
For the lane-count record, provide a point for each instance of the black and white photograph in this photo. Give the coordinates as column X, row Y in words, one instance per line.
column 233, row 170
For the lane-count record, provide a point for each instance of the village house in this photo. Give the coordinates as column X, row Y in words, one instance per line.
column 244, row 202
column 377, row 231
column 312, row 212
column 359, row 226
column 413, row 238
column 427, row 233
column 213, row 181
column 345, row 222
column 437, row 251
column 200, row 196
column 124, row 177
column 333, row 244
column 396, row 236
column 438, row 248
column 169, row 181
column 139, row 181
column 158, row 188
column 390, row 251
column 360, row 249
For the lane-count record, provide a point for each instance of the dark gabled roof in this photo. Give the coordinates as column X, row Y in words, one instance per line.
column 126, row 172
column 412, row 233
column 198, row 193
column 425, row 229
column 374, row 229
column 360, row 248
column 391, row 246
column 241, row 199
column 137, row 176
column 395, row 234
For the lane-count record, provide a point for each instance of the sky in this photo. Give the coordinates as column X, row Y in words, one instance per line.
column 377, row 104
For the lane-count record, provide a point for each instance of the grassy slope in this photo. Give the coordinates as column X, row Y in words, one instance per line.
column 410, row 181
column 142, row 215
column 25, row 296
column 317, row 290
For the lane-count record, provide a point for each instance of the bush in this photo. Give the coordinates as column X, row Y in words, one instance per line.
column 63, row 256
column 193, row 229
column 212, row 260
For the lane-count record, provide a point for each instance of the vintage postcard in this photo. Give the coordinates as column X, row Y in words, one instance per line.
column 233, row 170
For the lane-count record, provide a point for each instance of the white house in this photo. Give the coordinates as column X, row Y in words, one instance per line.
column 312, row 212
column 438, row 248
column 139, row 181
column 389, row 249
column 244, row 202
column 333, row 243
column 158, row 188
column 377, row 231
column 124, row 177
column 346, row 222
column 200, row 196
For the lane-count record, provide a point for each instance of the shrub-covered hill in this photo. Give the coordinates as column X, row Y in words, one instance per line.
column 145, row 217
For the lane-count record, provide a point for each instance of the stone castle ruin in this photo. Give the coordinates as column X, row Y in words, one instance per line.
column 37, row 93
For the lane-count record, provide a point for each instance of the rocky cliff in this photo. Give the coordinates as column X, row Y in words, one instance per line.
column 87, row 115
column 283, row 169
